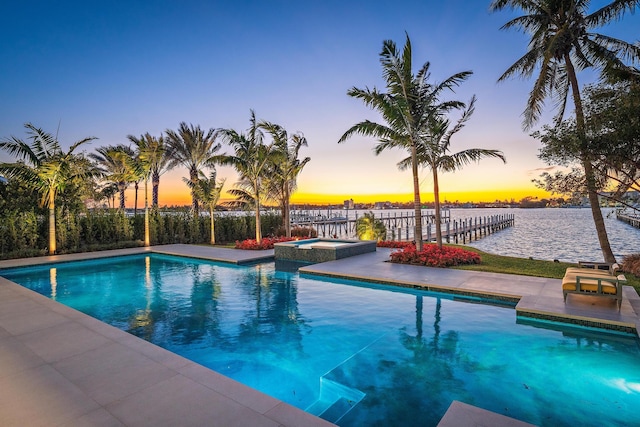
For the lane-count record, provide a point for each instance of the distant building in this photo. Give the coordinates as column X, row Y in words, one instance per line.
column 382, row 205
column 348, row 204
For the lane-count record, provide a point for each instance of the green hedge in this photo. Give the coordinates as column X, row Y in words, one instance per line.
column 25, row 233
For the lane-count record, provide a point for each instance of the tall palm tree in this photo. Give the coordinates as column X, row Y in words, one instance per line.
column 409, row 105
column 286, row 167
column 44, row 166
column 251, row 160
column 150, row 155
column 194, row 149
column 562, row 44
column 208, row 191
column 160, row 165
column 116, row 162
column 433, row 153
column 156, row 150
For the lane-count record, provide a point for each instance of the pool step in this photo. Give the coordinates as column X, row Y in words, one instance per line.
column 335, row 401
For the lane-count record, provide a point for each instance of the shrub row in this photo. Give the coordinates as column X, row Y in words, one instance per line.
column 26, row 233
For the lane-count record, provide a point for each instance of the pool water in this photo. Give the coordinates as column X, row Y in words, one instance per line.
column 355, row 354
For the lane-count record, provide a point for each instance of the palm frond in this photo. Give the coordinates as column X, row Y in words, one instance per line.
column 462, row 158
column 610, row 12
column 524, row 66
column 369, row 128
column 18, row 148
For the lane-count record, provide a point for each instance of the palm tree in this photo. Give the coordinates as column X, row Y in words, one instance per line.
column 44, row 166
column 116, row 162
column 157, row 151
column 150, row 154
column 286, row 167
column 208, row 191
column 561, row 45
column 370, row 228
column 408, row 106
column 251, row 160
column 108, row 191
column 159, row 165
column 433, row 153
column 195, row 149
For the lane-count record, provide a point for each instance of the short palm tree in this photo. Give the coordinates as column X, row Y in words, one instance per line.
column 409, row 105
column 251, row 159
column 44, row 166
column 208, row 191
column 108, row 191
column 370, row 228
column 562, row 43
column 433, row 153
column 285, row 168
column 117, row 164
column 194, row 149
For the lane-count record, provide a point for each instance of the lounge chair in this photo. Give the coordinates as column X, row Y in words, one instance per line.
column 593, row 280
column 595, row 267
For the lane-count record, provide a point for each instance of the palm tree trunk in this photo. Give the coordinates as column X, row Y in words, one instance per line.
column 52, row 224
column 416, row 197
column 258, row 225
column 592, row 191
column 135, row 202
column 193, row 176
column 213, row 230
column 436, row 204
column 155, row 183
column 147, row 238
column 122, row 187
column 285, row 212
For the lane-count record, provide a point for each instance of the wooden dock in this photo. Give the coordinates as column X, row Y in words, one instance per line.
column 401, row 226
column 631, row 219
column 469, row 229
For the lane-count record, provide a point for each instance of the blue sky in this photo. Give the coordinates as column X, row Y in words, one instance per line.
column 109, row 69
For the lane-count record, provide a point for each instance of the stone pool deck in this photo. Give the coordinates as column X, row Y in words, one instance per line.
column 61, row 367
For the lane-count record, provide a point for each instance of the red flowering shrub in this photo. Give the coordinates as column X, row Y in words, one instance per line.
column 394, row 244
column 433, row 256
column 266, row 243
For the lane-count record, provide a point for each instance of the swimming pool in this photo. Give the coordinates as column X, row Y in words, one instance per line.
column 355, row 353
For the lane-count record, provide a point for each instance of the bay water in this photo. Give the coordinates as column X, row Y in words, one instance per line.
column 565, row 234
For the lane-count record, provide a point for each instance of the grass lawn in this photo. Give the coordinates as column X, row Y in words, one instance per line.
column 527, row 267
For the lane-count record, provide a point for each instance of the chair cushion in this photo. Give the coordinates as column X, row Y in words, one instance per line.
column 587, row 271
column 569, row 283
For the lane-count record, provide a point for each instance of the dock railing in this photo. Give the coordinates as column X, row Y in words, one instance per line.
column 631, row 219
column 401, row 226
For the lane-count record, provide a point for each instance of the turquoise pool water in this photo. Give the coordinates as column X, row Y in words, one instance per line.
column 353, row 353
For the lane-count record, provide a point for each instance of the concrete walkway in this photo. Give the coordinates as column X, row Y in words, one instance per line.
column 61, row 367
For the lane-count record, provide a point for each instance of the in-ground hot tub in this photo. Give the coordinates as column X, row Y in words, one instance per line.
column 312, row 251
